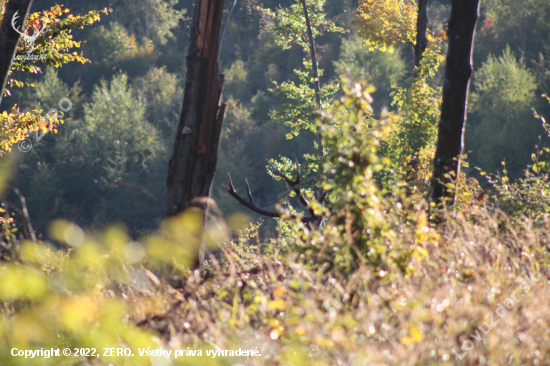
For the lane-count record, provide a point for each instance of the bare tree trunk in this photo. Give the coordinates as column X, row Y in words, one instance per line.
column 315, row 66
column 317, row 84
column 194, row 157
column 9, row 38
column 419, row 48
column 452, row 123
column 421, row 27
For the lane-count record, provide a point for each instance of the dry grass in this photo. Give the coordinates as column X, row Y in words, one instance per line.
column 297, row 316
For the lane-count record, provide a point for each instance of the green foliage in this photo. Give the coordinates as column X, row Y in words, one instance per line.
column 362, row 219
column 50, row 90
column 419, row 105
column 379, row 68
column 162, row 92
column 298, row 101
column 375, row 273
column 121, row 142
column 235, row 80
column 105, row 158
column 523, row 26
column 503, row 80
column 501, row 119
column 151, row 19
column 289, row 24
column 352, row 140
column 69, row 299
column 529, row 197
column 298, row 110
column 113, row 44
column 383, row 25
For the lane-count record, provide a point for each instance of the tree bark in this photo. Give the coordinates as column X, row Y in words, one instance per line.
column 317, row 84
column 194, row 157
column 421, row 27
column 315, row 66
column 419, row 48
column 452, row 123
column 9, row 38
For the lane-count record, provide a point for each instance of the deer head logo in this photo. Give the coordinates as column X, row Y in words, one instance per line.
column 29, row 40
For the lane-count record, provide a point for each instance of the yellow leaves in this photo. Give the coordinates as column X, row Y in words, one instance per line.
column 323, row 342
column 424, row 234
column 18, row 282
column 78, row 311
column 16, row 126
column 386, row 23
column 276, row 305
column 279, row 292
column 415, row 335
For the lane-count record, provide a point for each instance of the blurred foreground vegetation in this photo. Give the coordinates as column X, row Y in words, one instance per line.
column 88, row 261
column 387, row 287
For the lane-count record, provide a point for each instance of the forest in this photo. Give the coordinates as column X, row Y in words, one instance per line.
column 302, row 182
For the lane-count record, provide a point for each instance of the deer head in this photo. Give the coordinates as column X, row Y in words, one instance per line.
column 29, row 40
column 313, row 220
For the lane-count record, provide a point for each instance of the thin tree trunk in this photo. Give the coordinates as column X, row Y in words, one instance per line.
column 421, row 27
column 194, row 157
column 419, row 48
column 452, row 123
column 227, row 20
column 317, row 83
column 9, row 38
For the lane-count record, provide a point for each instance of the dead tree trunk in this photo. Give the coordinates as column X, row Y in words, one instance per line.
column 421, row 27
column 9, row 38
column 194, row 157
column 452, row 123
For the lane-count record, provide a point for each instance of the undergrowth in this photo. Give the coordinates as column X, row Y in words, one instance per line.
column 378, row 283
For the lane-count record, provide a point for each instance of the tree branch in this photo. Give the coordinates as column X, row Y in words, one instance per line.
column 9, row 38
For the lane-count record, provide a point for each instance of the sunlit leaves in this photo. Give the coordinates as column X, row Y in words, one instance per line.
column 54, row 45
column 16, row 126
column 290, row 27
column 385, row 24
column 56, row 41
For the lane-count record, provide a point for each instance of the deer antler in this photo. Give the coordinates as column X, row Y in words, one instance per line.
column 294, row 184
column 250, row 203
column 35, row 35
column 43, row 26
column 15, row 16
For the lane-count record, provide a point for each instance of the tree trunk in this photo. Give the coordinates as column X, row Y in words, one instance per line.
column 315, row 66
column 452, row 123
column 9, row 38
column 419, row 48
column 421, row 27
column 317, row 84
column 194, row 157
